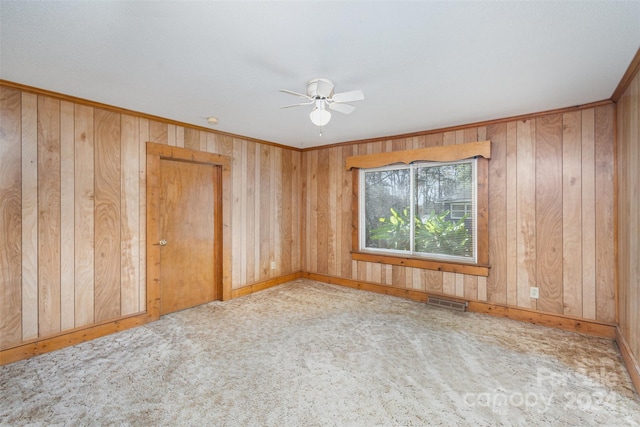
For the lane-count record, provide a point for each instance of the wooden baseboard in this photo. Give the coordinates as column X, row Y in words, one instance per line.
column 247, row 290
column 69, row 338
column 588, row 327
column 631, row 363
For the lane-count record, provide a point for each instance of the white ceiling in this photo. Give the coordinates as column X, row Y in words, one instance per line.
column 421, row 65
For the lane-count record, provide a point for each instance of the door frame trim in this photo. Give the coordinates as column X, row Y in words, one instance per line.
column 222, row 223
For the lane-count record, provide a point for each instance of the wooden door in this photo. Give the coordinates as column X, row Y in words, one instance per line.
column 187, row 220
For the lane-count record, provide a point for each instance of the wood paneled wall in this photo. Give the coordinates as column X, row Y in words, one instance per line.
column 72, row 203
column 551, row 215
column 628, row 115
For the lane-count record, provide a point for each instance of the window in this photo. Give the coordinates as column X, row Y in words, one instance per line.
column 425, row 209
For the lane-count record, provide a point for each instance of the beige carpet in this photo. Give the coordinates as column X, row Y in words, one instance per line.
column 307, row 354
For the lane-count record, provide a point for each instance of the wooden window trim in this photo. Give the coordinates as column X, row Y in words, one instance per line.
column 482, row 150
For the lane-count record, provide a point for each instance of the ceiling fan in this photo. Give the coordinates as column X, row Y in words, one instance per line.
column 320, row 95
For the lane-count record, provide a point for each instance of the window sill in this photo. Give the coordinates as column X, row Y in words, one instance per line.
column 428, row 264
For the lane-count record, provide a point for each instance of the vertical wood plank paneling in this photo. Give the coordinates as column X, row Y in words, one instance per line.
column 548, row 212
column 237, row 219
column 588, row 215
column 297, row 212
column 212, row 143
column 287, row 243
column 11, row 214
column 276, row 185
column 265, row 217
column 511, row 214
column 339, row 212
column 322, row 219
column 84, row 216
column 49, row 216
column 143, row 137
column 605, row 253
column 257, row 213
column 497, row 280
column 29, row 216
column 526, row 210
column 179, row 136
column 347, row 186
column 67, row 216
column 332, row 200
column 572, row 213
column 628, row 167
column 191, row 139
column 129, row 215
column 251, row 213
column 107, row 215
column 158, row 132
column 171, row 135
column 242, row 211
column 312, row 219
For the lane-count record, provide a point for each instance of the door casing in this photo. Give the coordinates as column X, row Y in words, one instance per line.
column 222, row 222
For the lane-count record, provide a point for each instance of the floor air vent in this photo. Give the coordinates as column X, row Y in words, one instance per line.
column 448, row 303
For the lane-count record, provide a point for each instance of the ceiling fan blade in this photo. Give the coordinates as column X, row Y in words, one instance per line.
column 297, row 105
column 351, row 96
column 342, row 108
column 324, row 88
column 290, row 92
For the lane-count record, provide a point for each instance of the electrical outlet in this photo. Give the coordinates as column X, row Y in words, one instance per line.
column 273, row 265
column 534, row 292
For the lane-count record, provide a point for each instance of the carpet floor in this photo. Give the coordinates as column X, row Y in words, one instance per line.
column 311, row 354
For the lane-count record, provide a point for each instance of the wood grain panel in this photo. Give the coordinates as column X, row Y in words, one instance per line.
column 287, row 238
column 332, row 201
column 312, row 233
column 526, row 210
column 572, row 213
column 250, row 218
column 29, row 216
column 11, row 210
column 257, row 214
column 496, row 290
column 548, row 212
column 588, row 215
column 143, row 137
column 48, row 216
column 129, row 216
column 605, row 252
column 511, row 214
column 107, row 215
column 158, row 132
column 265, row 218
column 192, row 139
column 346, row 219
column 322, row 211
column 276, row 180
column 628, row 164
column 84, row 232
column 296, row 177
column 238, row 219
column 67, row 215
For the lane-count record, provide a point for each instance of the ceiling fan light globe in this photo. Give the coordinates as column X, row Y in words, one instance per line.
column 319, row 116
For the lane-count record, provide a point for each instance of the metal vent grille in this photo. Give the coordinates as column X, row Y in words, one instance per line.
column 447, row 303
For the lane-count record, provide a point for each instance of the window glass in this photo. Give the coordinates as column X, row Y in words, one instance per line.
column 441, row 221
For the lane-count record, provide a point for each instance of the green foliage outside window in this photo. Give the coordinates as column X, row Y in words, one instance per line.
column 434, row 235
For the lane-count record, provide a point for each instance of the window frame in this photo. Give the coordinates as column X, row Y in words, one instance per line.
column 412, row 168
column 481, row 151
